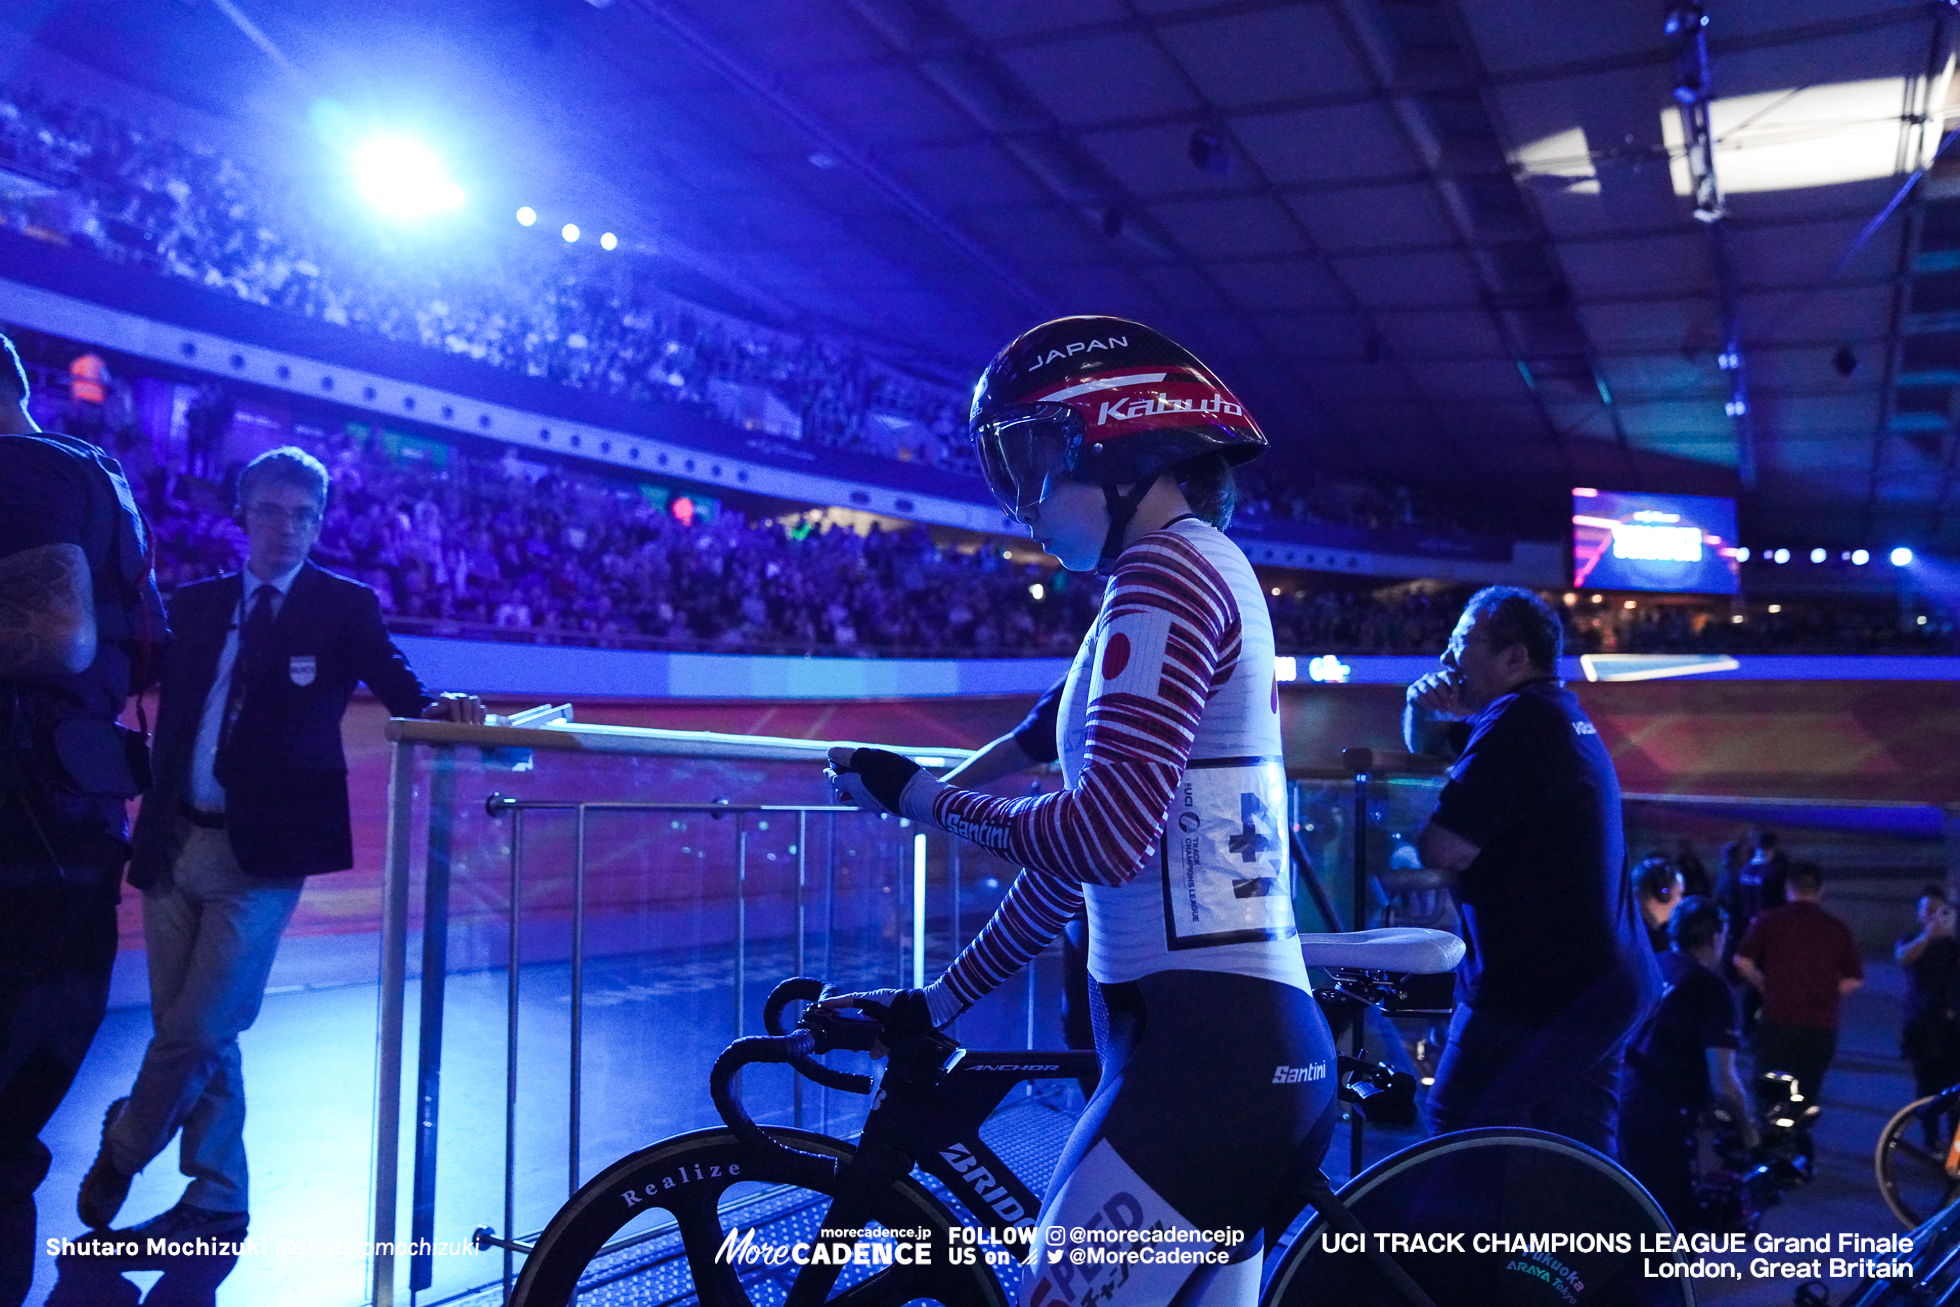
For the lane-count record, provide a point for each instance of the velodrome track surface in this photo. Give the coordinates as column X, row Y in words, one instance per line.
column 1828, row 741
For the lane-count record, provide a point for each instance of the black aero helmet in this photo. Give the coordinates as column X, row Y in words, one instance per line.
column 1104, row 401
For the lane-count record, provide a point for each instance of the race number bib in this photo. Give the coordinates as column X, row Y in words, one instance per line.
column 1226, row 879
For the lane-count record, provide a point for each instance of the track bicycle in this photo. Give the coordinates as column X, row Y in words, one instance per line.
column 866, row 1202
column 1917, row 1160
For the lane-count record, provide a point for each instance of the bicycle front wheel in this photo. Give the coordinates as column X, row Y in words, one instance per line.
column 1504, row 1186
column 1912, row 1175
column 676, row 1204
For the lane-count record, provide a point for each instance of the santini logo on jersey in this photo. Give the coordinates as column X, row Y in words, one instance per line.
column 1079, row 347
column 1297, row 1075
column 1584, row 728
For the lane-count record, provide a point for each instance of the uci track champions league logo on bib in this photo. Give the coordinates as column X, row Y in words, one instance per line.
column 1225, row 873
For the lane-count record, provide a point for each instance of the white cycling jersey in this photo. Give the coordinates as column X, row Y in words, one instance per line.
column 1216, row 892
column 1174, row 811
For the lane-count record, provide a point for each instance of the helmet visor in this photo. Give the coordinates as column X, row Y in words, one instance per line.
column 1023, row 450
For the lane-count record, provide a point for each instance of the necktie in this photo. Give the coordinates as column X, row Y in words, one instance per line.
column 247, row 669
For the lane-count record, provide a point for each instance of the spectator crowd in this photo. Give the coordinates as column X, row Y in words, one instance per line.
column 540, row 307
column 566, row 313
column 459, row 542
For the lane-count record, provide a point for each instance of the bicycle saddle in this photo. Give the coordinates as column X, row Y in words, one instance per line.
column 1394, row 948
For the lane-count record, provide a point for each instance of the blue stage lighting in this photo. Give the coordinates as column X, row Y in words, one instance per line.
column 526, row 216
column 1901, row 556
column 570, row 233
column 1781, row 555
column 609, row 242
column 1818, row 555
column 1860, row 557
column 403, row 178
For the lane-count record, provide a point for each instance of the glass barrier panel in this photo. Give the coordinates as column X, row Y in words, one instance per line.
column 657, row 903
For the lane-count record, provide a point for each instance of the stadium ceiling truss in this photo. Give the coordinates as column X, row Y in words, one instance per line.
column 1448, row 243
column 1456, row 244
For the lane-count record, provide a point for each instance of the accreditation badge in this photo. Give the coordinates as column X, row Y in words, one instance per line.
column 1224, row 855
column 303, row 668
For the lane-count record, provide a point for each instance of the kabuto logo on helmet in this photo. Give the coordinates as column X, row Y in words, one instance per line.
column 1183, row 396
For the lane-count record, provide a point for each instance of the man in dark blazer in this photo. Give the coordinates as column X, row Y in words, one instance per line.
column 250, row 798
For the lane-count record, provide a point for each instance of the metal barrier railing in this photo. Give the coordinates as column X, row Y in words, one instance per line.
column 500, row 805
column 483, row 807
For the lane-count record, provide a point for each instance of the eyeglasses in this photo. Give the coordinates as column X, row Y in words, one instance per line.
column 1456, row 646
column 305, row 519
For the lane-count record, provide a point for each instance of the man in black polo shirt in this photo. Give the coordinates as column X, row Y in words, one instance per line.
column 1559, row 971
column 1680, row 1061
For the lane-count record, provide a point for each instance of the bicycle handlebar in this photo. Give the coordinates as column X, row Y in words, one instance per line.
column 741, row 1053
column 808, row 989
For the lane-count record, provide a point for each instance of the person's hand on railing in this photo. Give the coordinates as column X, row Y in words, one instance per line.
column 464, row 708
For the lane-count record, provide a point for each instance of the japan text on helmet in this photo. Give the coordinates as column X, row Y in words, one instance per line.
column 1099, row 400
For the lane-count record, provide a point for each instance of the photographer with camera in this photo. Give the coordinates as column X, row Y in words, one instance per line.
column 1680, row 1062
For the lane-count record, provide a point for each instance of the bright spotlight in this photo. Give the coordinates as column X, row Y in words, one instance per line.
column 1901, row 556
column 608, row 242
column 1860, row 557
column 1818, row 555
column 1742, row 553
column 1781, row 555
column 404, row 179
column 526, row 216
column 570, row 233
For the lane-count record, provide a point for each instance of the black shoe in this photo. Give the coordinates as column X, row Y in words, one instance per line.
column 184, row 1223
column 104, row 1187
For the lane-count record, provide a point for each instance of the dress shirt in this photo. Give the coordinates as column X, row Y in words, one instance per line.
column 206, row 793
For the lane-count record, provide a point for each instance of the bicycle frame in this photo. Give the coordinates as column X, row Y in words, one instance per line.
column 926, row 1111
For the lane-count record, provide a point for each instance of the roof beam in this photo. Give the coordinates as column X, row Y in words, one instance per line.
column 769, row 89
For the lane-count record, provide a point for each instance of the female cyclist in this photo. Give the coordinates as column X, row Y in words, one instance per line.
column 1114, row 447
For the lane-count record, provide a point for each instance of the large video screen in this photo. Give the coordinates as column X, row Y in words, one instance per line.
column 1683, row 544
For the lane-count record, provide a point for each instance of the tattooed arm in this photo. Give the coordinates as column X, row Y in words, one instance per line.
column 47, row 612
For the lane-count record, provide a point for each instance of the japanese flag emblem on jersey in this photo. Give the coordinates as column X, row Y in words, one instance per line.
column 303, row 668
column 1226, row 879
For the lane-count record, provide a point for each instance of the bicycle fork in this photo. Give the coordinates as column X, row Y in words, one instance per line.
column 873, row 1170
column 1319, row 1195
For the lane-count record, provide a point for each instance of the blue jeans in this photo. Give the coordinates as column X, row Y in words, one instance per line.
column 212, row 932
column 1562, row 1077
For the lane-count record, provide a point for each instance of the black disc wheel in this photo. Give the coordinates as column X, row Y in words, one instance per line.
column 702, row 1218
column 1494, row 1190
column 1911, row 1160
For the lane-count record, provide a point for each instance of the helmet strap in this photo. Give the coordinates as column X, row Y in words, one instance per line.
column 1122, row 510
